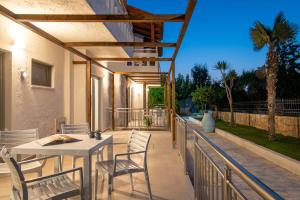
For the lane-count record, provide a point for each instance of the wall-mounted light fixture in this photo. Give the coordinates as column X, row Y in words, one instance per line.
column 23, row 74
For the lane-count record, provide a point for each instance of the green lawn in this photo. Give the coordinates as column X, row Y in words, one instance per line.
column 288, row 146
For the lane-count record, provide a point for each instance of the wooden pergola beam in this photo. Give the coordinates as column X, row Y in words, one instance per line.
column 168, row 100
column 146, row 32
column 133, row 59
column 120, row 44
column 12, row 16
column 89, row 91
column 173, row 105
column 148, row 83
column 135, row 73
column 100, row 18
column 188, row 15
column 79, row 62
column 144, row 95
column 144, row 76
column 113, row 102
column 145, row 79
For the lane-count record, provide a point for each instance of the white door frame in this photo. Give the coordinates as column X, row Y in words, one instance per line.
column 2, row 92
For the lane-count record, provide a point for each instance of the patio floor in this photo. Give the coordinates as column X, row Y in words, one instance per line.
column 165, row 169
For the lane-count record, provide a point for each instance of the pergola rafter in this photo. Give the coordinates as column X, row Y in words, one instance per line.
column 120, row 44
column 136, row 17
column 11, row 15
column 141, row 73
column 133, row 59
column 188, row 16
column 99, row 18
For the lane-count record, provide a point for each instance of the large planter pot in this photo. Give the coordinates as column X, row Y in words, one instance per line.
column 208, row 122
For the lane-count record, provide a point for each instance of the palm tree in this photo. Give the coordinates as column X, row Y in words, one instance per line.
column 228, row 76
column 264, row 36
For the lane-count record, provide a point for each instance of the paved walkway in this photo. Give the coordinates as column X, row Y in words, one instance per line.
column 280, row 180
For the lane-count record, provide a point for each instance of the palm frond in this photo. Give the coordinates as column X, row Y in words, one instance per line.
column 283, row 30
column 222, row 65
column 260, row 35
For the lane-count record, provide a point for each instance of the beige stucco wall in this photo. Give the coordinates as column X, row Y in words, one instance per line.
column 106, row 95
column 32, row 107
column 136, row 95
column 35, row 107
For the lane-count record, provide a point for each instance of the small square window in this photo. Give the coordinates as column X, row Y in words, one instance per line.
column 129, row 63
column 152, row 63
column 41, row 74
column 136, row 64
column 144, row 63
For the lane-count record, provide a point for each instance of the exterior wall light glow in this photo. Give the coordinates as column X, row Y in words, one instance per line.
column 138, row 88
column 23, row 74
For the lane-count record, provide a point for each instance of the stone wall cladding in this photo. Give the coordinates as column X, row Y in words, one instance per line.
column 286, row 125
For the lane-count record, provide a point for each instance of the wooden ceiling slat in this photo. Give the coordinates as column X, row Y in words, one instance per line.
column 144, row 76
column 133, row 59
column 12, row 16
column 135, row 73
column 99, row 18
column 79, row 62
column 121, row 44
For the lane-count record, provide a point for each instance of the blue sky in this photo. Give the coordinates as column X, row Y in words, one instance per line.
column 219, row 30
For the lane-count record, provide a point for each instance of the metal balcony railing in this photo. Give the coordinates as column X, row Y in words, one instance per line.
column 211, row 181
column 134, row 118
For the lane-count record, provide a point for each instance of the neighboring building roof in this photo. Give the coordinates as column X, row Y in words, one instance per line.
column 144, row 29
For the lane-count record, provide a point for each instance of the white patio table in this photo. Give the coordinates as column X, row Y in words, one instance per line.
column 84, row 148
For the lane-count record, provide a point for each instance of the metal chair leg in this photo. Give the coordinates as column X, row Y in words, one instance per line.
column 148, row 184
column 112, row 184
column 96, row 183
column 61, row 163
column 131, row 181
column 109, row 186
column 73, row 166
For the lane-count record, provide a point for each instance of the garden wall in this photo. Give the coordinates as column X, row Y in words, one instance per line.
column 286, row 125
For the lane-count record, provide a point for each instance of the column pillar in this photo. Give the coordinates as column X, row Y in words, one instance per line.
column 127, row 102
column 144, row 97
column 168, row 100
column 173, row 105
column 113, row 102
column 89, row 91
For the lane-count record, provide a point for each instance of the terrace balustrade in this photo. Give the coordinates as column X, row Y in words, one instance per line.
column 214, row 173
column 134, row 118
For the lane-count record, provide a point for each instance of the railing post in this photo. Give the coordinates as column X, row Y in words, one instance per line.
column 184, row 147
column 196, row 178
column 227, row 179
column 173, row 104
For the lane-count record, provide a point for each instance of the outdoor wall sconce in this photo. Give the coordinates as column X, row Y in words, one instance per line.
column 23, row 74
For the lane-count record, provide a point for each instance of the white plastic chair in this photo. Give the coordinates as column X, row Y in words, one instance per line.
column 137, row 148
column 10, row 139
column 55, row 186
